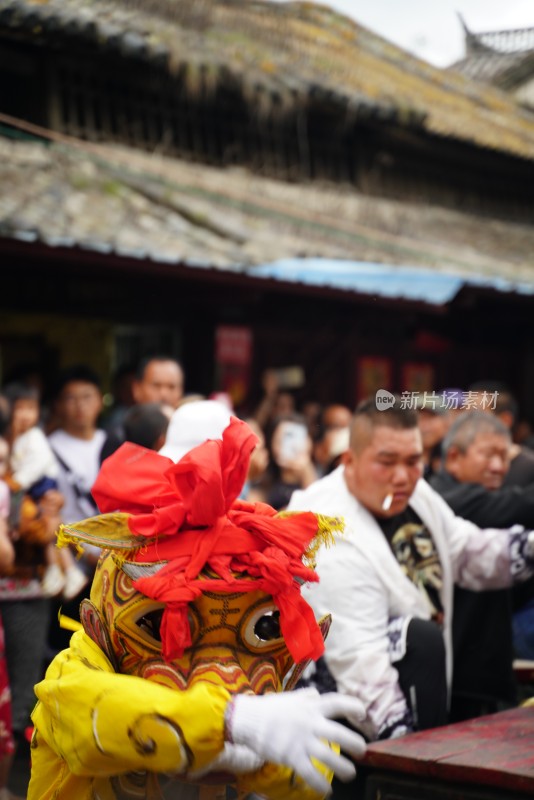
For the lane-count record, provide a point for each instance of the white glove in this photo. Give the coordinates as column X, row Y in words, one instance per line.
column 235, row 758
column 291, row 728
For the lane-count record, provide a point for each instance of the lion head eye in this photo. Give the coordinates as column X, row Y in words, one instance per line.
column 151, row 623
column 267, row 627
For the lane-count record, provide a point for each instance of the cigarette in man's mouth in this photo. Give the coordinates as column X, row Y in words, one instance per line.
column 388, row 499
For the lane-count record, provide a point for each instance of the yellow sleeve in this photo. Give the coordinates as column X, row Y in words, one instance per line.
column 103, row 723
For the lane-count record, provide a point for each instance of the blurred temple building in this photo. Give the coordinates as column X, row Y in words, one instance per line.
column 504, row 59
column 251, row 185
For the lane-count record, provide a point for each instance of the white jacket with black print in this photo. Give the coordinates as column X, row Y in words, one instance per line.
column 370, row 598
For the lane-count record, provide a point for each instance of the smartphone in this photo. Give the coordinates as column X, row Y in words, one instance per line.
column 290, row 377
column 293, row 441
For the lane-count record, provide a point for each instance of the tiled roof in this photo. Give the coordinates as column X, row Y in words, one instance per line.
column 518, row 40
column 281, row 56
column 119, row 201
column 498, row 57
column 487, row 66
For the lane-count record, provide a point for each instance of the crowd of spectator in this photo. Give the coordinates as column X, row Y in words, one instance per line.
column 311, row 457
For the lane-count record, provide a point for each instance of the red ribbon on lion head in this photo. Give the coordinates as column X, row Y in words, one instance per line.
column 190, row 518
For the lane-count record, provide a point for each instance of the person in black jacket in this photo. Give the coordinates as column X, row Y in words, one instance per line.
column 475, row 463
column 506, row 408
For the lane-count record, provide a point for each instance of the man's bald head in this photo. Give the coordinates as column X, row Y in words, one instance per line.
column 367, row 417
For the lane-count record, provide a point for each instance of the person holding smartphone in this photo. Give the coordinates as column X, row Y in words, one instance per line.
column 291, row 466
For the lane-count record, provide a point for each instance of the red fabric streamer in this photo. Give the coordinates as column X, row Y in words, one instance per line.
column 162, row 496
column 190, row 516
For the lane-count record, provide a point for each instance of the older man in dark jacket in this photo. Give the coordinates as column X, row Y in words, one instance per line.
column 475, row 464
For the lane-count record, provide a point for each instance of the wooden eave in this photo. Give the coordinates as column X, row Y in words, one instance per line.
column 297, row 54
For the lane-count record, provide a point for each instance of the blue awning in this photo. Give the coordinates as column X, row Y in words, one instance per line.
column 384, row 280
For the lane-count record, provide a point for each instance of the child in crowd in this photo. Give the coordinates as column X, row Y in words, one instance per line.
column 7, row 553
column 7, row 557
column 33, row 471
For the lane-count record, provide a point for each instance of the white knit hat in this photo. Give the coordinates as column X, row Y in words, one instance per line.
column 192, row 424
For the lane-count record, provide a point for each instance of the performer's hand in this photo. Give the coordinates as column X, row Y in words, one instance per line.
column 291, row 728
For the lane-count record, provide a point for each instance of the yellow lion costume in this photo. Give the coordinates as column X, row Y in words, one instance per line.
column 195, row 620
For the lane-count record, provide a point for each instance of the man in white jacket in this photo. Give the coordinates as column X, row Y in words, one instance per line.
column 388, row 580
